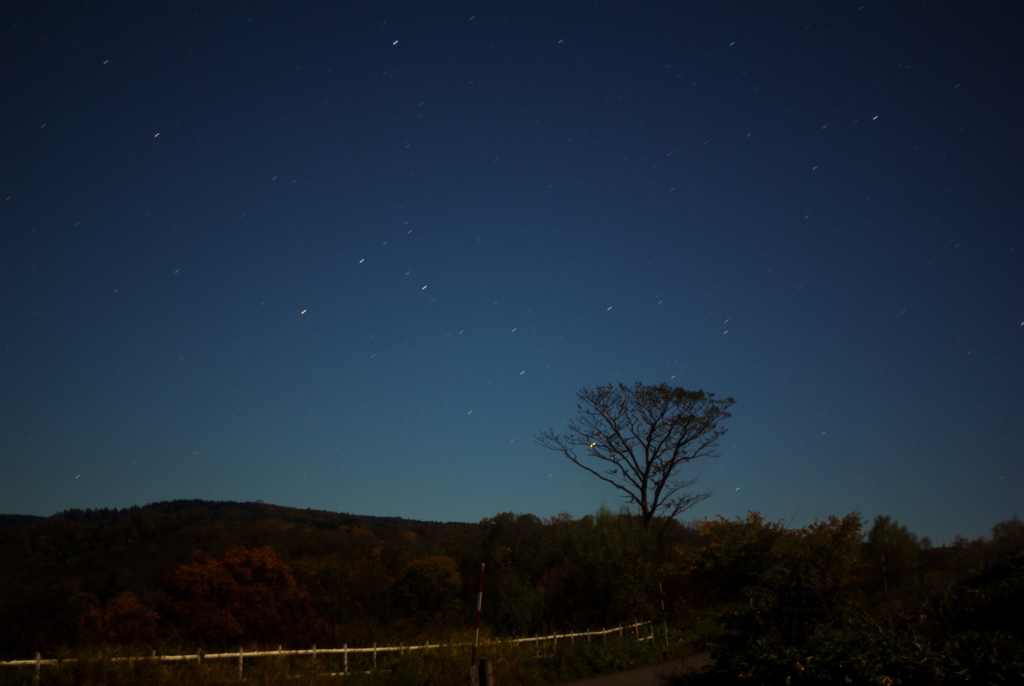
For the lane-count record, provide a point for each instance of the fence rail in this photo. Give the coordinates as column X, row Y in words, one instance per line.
column 344, row 651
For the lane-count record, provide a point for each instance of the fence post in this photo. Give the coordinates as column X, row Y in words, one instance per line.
column 344, row 648
column 314, row 652
column 375, row 656
column 240, row 653
column 39, row 664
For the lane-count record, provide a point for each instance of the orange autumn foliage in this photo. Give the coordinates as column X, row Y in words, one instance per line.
column 123, row 620
column 249, row 594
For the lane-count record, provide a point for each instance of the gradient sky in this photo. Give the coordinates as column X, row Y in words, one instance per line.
column 353, row 256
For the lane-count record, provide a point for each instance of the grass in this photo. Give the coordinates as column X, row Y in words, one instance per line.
column 522, row 664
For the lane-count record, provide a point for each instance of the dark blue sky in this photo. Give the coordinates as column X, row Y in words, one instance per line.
column 354, row 258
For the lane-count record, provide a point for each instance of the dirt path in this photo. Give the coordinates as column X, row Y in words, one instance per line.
column 644, row 676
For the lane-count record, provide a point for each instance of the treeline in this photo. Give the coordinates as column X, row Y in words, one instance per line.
column 210, row 574
column 219, row 575
column 751, row 560
column 884, row 607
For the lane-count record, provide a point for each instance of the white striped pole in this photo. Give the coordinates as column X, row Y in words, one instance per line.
column 476, row 622
column 664, row 616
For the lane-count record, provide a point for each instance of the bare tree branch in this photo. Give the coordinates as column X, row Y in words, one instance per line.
column 638, row 437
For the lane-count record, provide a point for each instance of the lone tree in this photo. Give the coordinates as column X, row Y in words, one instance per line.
column 637, row 439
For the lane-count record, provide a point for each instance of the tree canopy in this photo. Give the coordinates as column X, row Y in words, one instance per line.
column 637, row 438
column 250, row 592
column 893, row 551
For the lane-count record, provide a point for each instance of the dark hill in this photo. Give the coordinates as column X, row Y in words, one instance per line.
column 52, row 568
column 7, row 520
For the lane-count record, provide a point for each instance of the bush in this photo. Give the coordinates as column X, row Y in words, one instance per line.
column 865, row 656
column 989, row 599
column 971, row 634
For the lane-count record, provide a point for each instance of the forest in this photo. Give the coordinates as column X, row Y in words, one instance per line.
column 199, row 575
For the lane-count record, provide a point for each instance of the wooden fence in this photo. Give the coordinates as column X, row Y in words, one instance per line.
column 344, row 651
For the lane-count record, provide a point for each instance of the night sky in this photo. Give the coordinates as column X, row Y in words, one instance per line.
column 354, row 256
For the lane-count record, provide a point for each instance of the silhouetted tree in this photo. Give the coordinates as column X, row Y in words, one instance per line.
column 1008, row 536
column 638, row 439
column 893, row 550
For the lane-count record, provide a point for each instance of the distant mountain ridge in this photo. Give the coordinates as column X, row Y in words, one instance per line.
column 245, row 510
column 18, row 520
